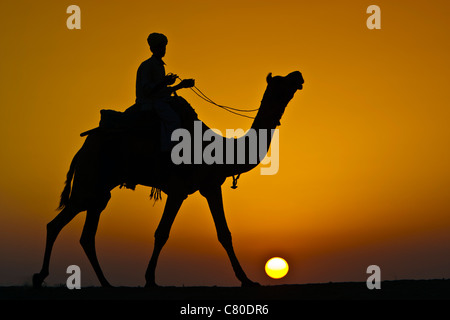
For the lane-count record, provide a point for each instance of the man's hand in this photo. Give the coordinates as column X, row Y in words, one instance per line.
column 187, row 83
column 170, row 79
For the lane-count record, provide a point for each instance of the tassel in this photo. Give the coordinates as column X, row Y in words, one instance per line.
column 234, row 186
column 155, row 194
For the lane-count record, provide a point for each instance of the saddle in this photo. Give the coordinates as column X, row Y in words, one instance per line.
column 117, row 127
column 134, row 119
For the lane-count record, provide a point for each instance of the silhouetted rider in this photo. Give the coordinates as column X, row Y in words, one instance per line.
column 153, row 89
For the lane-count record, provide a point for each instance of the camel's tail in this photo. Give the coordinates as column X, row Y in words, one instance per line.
column 65, row 195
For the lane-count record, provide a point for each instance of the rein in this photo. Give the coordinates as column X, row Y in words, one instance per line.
column 235, row 111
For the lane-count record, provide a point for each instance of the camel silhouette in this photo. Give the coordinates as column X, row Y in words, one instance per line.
column 107, row 159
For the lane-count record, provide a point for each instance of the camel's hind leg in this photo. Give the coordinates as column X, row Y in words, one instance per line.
column 53, row 229
column 87, row 239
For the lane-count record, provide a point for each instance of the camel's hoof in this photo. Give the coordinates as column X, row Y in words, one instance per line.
column 151, row 285
column 38, row 279
column 250, row 284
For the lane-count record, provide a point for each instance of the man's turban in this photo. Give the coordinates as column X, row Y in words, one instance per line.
column 157, row 40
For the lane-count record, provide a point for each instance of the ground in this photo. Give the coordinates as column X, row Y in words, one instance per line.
column 390, row 290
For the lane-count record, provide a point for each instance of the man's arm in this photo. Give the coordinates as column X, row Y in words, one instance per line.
column 163, row 87
column 186, row 83
column 148, row 85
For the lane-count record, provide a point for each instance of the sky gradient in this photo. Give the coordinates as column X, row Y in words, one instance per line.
column 364, row 173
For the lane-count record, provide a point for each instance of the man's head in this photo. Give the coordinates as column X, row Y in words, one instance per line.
column 157, row 43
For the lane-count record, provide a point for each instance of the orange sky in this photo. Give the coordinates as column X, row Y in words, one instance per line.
column 364, row 176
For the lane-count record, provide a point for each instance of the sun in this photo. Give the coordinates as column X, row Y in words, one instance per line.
column 277, row 268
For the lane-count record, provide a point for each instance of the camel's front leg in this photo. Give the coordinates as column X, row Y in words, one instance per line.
column 214, row 197
column 173, row 204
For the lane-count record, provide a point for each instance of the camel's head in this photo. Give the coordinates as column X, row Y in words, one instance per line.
column 290, row 83
column 284, row 88
column 280, row 90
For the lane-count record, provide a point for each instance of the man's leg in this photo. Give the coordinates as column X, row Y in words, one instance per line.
column 169, row 122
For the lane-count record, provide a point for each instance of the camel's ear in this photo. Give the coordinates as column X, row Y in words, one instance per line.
column 269, row 77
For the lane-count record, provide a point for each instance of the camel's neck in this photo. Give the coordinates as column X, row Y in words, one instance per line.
column 256, row 142
column 269, row 113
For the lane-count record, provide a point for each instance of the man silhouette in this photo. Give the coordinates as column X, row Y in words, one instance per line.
column 153, row 88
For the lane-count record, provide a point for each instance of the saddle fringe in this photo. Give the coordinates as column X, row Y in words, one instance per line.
column 155, row 194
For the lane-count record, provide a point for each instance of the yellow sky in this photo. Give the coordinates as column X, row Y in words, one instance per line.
column 364, row 176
